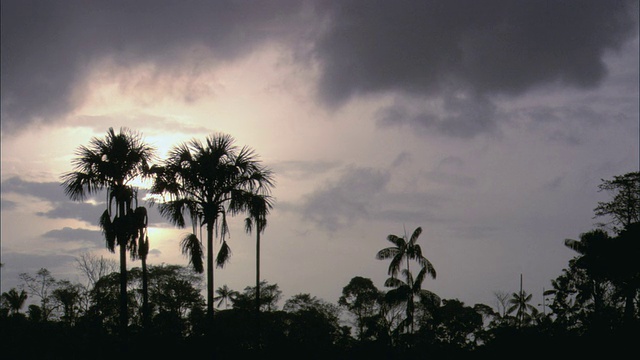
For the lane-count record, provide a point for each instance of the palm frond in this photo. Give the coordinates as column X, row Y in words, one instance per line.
column 396, row 240
column 386, row 253
column 192, row 248
column 223, row 255
column 108, row 229
column 415, row 235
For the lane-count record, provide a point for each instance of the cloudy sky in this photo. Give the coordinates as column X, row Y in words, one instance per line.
column 489, row 124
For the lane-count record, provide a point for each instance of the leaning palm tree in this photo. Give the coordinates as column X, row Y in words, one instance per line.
column 112, row 164
column 405, row 250
column 209, row 182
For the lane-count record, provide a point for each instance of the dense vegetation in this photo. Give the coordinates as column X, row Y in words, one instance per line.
column 165, row 311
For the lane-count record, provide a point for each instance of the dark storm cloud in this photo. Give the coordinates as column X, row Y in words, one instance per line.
column 488, row 47
column 47, row 45
column 465, row 53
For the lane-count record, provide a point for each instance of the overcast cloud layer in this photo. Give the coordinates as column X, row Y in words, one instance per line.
column 461, row 52
column 488, row 123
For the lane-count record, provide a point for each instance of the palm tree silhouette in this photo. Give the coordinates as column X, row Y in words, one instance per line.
column 404, row 250
column 520, row 304
column 406, row 292
column 225, row 294
column 15, row 300
column 112, row 163
column 209, row 182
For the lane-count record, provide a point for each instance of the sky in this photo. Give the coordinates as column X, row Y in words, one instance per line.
column 490, row 124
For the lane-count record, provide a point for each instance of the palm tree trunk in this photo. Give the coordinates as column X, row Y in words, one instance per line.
column 145, row 294
column 122, row 243
column 210, row 273
column 258, row 288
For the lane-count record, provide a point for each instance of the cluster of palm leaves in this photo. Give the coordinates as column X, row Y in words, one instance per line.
column 404, row 292
column 203, row 182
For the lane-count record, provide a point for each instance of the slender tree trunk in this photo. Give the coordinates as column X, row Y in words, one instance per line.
column 122, row 243
column 210, row 274
column 145, row 294
column 258, row 287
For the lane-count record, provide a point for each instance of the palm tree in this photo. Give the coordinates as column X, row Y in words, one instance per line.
column 259, row 208
column 225, row 294
column 15, row 300
column 406, row 292
column 405, row 250
column 209, row 182
column 112, row 163
column 520, row 303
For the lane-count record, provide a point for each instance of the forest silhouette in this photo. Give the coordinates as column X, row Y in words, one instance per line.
column 164, row 311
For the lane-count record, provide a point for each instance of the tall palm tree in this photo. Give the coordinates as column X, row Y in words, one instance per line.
column 209, row 181
column 259, row 208
column 406, row 292
column 15, row 300
column 404, row 250
column 112, row 164
column 225, row 294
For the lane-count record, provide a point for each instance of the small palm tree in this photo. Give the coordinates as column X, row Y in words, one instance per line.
column 112, row 163
column 225, row 294
column 15, row 300
column 520, row 304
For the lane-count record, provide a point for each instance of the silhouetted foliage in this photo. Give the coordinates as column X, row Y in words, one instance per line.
column 112, row 164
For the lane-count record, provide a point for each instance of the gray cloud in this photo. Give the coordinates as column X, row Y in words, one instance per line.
column 7, row 205
column 361, row 194
column 459, row 116
column 48, row 191
column 350, row 198
column 47, row 46
column 70, row 234
column 303, row 169
column 86, row 212
column 63, row 208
